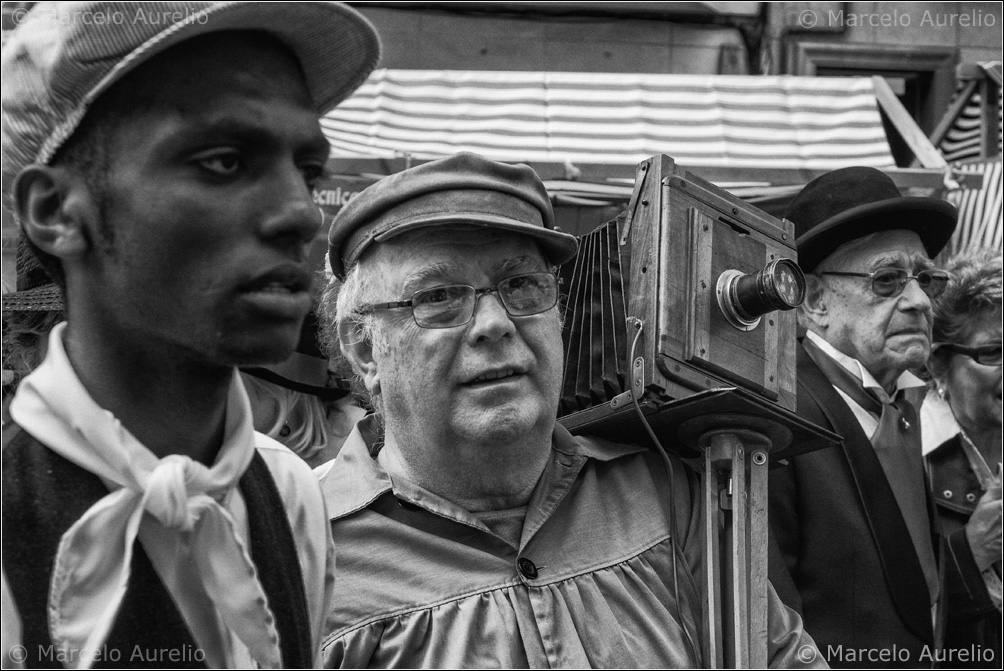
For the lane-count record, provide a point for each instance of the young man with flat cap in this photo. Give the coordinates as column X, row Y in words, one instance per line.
column 473, row 530
column 160, row 160
column 852, row 524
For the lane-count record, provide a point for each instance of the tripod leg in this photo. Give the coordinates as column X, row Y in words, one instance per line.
column 756, row 464
column 713, row 650
column 735, row 500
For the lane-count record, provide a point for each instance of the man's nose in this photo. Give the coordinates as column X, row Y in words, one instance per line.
column 490, row 320
column 291, row 213
column 913, row 297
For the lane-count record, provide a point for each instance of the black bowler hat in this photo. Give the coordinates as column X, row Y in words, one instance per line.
column 851, row 203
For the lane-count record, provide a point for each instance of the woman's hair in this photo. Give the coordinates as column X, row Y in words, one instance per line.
column 973, row 294
column 295, row 419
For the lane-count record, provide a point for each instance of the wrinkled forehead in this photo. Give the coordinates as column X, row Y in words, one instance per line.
column 895, row 248
column 453, row 254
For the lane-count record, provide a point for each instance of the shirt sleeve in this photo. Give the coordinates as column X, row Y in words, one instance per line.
column 788, row 646
column 964, row 588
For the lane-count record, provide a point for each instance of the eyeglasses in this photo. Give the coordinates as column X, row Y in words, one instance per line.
column 889, row 282
column 453, row 305
column 985, row 355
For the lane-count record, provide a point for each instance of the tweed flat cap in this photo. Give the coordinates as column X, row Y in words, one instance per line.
column 64, row 55
column 462, row 189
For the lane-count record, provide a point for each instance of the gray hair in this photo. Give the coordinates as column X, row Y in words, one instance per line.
column 974, row 291
column 341, row 305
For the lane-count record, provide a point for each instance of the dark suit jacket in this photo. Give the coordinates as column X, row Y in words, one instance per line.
column 841, row 554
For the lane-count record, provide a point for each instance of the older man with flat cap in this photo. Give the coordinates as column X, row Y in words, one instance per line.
column 473, row 530
column 852, row 523
column 160, row 159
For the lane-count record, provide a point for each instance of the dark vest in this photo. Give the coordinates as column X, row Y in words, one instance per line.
column 44, row 494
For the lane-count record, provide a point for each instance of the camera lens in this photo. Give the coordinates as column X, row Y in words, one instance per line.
column 745, row 298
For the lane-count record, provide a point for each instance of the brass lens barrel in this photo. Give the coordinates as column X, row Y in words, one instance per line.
column 745, row 298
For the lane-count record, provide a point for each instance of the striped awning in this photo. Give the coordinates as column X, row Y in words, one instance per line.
column 817, row 123
column 964, row 138
column 981, row 218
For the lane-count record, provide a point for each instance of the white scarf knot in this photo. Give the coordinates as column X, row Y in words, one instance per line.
column 175, row 492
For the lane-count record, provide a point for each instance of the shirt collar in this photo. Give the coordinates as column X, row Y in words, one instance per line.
column 589, row 446
column 354, row 479
column 906, row 380
column 937, row 422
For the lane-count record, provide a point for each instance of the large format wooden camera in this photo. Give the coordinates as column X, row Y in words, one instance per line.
column 687, row 295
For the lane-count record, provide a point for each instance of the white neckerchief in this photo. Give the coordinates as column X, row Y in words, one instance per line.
column 867, row 421
column 191, row 539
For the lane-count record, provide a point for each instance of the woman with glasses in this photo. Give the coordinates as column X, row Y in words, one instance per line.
column 961, row 423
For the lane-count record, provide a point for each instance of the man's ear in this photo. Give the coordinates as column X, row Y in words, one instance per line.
column 52, row 204
column 357, row 348
column 813, row 308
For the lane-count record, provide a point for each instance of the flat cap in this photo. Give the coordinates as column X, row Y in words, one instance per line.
column 63, row 55
column 462, row 189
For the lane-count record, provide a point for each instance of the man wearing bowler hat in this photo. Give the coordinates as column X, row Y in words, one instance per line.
column 851, row 524
column 160, row 160
column 473, row 530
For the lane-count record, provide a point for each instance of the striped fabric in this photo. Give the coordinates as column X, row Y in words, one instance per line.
column 980, row 216
column 963, row 140
column 776, row 122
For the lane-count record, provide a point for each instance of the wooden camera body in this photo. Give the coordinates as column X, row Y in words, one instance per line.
column 688, row 232
column 660, row 268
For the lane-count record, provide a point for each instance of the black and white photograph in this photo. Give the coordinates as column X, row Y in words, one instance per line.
column 442, row 335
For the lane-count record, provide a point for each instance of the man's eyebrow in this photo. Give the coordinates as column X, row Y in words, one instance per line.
column 907, row 261
column 230, row 126
column 523, row 262
column 251, row 130
column 430, row 272
column 890, row 260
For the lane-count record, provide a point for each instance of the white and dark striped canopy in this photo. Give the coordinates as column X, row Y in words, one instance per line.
column 980, row 212
column 815, row 123
column 963, row 139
